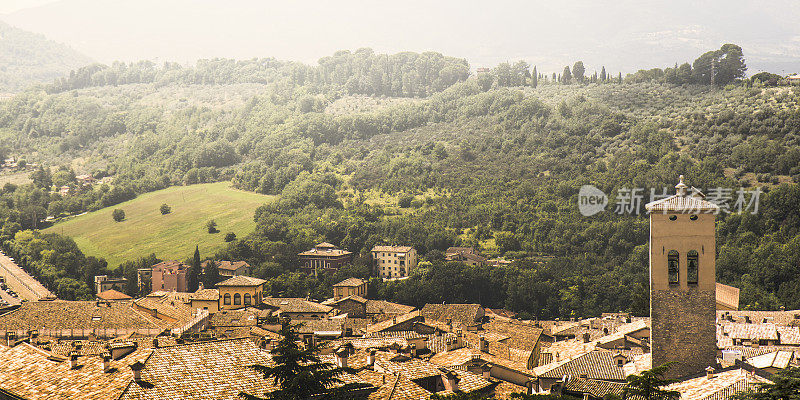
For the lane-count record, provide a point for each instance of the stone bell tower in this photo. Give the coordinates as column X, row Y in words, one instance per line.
column 683, row 282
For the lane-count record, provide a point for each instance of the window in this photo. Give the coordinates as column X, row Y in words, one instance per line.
column 247, row 299
column 227, row 299
column 672, row 266
column 692, row 267
column 673, row 217
column 237, row 299
column 693, row 218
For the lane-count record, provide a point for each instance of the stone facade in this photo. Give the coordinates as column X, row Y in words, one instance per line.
column 684, row 330
column 353, row 308
column 683, row 282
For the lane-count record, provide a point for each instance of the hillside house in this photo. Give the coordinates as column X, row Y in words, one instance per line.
column 350, row 287
column 324, row 257
column 394, row 261
column 229, row 269
column 103, row 283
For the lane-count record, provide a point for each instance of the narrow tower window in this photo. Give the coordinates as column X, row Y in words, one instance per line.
column 692, row 265
column 672, row 266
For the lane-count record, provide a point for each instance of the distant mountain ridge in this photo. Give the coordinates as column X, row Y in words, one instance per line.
column 28, row 58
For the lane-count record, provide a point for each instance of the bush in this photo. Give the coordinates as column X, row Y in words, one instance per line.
column 211, row 226
column 165, row 209
column 118, row 215
column 230, row 236
column 405, row 201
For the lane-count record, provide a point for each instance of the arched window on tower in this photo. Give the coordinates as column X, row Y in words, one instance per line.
column 672, row 267
column 247, row 299
column 237, row 299
column 227, row 299
column 692, row 267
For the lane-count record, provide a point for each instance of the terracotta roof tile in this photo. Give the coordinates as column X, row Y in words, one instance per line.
column 112, row 294
column 350, row 282
column 242, row 280
column 27, row 372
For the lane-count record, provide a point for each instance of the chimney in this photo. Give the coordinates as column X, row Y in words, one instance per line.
column 394, row 320
column 137, row 371
column 586, row 337
column 341, row 358
column 450, row 323
column 709, row 372
column 486, row 371
column 73, row 359
column 452, row 381
column 10, row 337
column 484, row 344
column 371, row 357
column 413, row 349
column 460, row 338
column 106, row 362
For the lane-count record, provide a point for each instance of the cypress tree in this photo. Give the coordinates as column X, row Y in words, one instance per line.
column 534, row 77
column 194, row 271
column 620, row 77
column 603, row 74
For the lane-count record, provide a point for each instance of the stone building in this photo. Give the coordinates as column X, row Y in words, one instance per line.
column 682, row 282
column 324, row 257
column 169, row 276
column 394, row 261
column 350, row 287
column 240, row 291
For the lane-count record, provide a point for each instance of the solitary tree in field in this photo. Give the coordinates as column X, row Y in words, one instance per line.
column 230, row 236
column 165, row 209
column 118, row 215
column 211, row 226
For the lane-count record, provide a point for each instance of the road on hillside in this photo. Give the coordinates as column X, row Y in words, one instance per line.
column 19, row 281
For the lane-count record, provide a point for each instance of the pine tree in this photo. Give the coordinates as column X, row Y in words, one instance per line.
column 647, row 385
column 299, row 372
column 534, row 77
column 194, row 271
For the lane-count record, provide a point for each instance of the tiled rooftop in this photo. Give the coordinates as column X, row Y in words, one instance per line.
column 295, row 305
column 26, row 372
column 98, row 316
column 460, row 314
column 242, row 280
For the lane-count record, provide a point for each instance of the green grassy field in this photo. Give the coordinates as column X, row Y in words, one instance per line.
column 170, row 236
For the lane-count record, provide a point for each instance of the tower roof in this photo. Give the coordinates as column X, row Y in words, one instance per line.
column 683, row 201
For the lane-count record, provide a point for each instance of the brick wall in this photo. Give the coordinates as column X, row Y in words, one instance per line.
column 684, row 330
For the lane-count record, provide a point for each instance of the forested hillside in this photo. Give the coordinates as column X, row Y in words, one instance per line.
column 364, row 149
column 27, row 58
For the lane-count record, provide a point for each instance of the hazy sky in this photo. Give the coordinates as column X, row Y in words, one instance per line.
column 622, row 35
